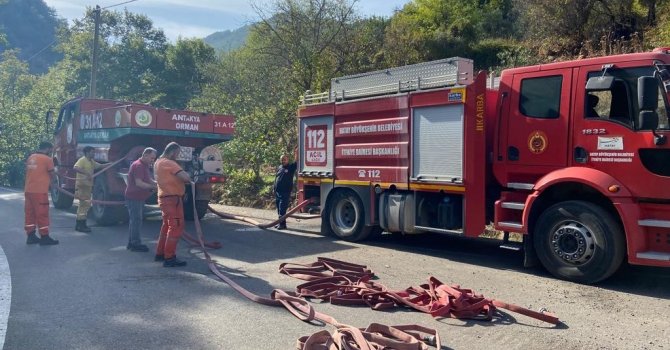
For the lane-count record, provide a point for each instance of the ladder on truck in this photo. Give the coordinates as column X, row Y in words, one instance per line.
column 422, row 76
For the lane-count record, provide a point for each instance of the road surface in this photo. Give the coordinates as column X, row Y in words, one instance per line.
column 89, row 292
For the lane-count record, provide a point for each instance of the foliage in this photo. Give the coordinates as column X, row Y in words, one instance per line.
column 572, row 28
column 131, row 56
column 297, row 46
column 433, row 29
column 185, row 74
column 29, row 26
column 659, row 34
column 228, row 40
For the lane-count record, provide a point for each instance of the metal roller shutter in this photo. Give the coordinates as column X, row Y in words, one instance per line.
column 438, row 143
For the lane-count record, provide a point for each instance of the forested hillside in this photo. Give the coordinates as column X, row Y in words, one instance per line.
column 228, row 40
column 297, row 46
column 29, row 26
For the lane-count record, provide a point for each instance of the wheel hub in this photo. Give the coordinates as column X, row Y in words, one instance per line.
column 345, row 215
column 573, row 243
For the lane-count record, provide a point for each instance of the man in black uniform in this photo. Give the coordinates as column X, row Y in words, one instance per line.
column 282, row 188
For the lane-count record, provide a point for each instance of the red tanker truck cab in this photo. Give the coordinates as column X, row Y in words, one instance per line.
column 121, row 130
column 572, row 155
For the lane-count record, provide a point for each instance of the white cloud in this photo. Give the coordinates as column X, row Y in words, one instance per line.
column 173, row 30
column 200, row 18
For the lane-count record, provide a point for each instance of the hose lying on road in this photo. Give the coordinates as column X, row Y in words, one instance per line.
column 267, row 225
column 349, row 284
column 346, row 337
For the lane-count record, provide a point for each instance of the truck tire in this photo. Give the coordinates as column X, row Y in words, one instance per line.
column 579, row 241
column 107, row 215
column 347, row 218
column 200, row 207
column 58, row 199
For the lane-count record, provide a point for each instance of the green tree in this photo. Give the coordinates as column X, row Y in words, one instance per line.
column 432, row 29
column 186, row 65
column 299, row 45
column 582, row 27
column 302, row 37
column 30, row 26
column 15, row 126
column 131, row 58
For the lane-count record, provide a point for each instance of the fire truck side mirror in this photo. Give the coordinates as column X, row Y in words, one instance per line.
column 647, row 93
column 648, row 120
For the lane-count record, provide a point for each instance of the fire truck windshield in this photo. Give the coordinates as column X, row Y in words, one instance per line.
column 619, row 103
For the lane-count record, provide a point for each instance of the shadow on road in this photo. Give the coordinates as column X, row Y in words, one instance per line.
column 252, row 245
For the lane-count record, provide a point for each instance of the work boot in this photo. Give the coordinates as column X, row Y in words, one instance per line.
column 81, row 226
column 281, row 226
column 159, row 257
column 46, row 240
column 138, row 248
column 32, row 239
column 173, row 262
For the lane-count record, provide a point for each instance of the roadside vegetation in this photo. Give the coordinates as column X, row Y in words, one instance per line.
column 297, row 46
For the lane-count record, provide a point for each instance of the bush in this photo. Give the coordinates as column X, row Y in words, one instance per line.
column 16, row 174
column 243, row 188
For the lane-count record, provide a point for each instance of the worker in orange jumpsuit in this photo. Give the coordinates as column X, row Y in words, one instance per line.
column 171, row 180
column 39, row 173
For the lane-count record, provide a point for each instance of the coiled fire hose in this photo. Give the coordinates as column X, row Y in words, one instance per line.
column 376, row 336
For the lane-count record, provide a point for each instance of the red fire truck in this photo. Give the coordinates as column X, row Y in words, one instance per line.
column 121, row 130
column 572, row 155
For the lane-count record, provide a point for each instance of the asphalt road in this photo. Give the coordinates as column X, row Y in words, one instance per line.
column 89, row 292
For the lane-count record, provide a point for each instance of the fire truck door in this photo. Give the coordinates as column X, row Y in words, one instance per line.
column 537, row 127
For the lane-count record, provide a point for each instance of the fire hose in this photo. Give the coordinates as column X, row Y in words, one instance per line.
column 375, row 336
column 351, row 289
column 94, row 201
column 256, row 223
column 350, row 284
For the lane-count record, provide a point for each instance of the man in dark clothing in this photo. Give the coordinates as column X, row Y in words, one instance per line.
column 282, row 188
column 140, row 186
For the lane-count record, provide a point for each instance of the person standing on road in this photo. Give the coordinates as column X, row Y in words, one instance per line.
column 140, row 186
column 83, row 187
column 39, row 173
column 282, row 187
column 171, row 179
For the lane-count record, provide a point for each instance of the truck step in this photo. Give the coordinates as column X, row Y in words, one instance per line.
column 510, row 224
column 662, row 256
column 439, row 230
column 515, row 246
column 513, row 205
column 520, row 186
column 654, row 223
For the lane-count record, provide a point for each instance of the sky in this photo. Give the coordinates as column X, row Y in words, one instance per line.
column 199, row 18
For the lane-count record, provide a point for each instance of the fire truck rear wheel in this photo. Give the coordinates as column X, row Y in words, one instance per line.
column 347, row 218
column 107, row 215
column 579, row 241
column 60, row 200
column 200, row 207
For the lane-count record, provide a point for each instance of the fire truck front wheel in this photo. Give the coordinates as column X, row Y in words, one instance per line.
column 347, row 217
column 59, row 199
column 200, row 208
column 106, row 215
column 579, row 241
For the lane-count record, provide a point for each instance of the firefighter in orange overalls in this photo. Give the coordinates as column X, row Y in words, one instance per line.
column 171, row 179
column 39, row 173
